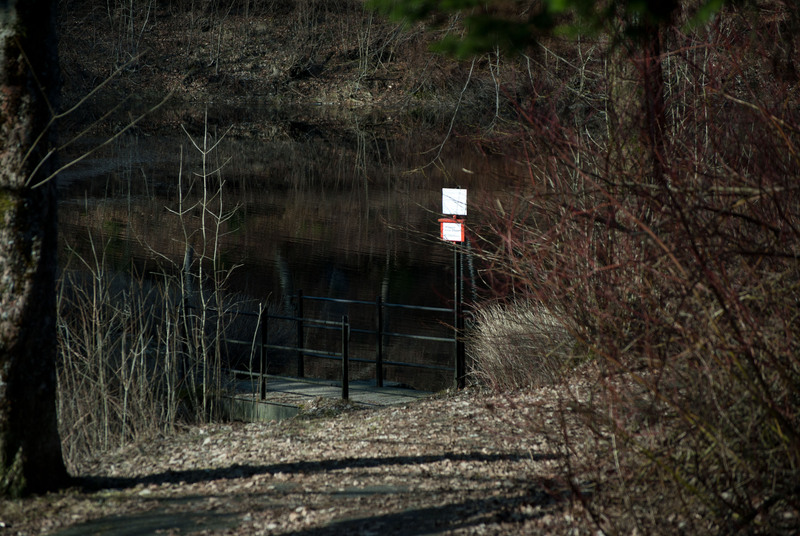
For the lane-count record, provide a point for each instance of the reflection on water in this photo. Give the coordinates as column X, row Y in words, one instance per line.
column 323, row 209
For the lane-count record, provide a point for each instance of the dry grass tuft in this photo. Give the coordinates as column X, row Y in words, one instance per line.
column 518, row 345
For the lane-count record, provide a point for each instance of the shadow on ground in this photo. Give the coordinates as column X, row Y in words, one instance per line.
column 154, row 522
column 244, row 471
column 195, row 514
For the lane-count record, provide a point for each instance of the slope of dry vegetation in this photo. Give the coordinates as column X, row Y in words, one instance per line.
column 279, row 53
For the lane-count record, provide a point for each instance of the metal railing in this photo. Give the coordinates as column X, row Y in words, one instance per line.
column 302, row 324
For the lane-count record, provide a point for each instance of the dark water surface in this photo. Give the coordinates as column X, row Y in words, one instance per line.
column 308, row 204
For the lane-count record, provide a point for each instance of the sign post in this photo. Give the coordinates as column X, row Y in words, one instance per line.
column 454, row 202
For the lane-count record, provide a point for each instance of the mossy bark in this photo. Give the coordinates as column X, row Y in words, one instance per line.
column 30, row 448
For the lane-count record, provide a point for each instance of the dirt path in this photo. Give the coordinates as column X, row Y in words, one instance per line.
column 459, row 464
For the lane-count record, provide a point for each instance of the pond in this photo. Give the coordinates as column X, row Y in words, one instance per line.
column 278, row 202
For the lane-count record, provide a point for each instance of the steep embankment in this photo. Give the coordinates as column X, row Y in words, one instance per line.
column 279, row 53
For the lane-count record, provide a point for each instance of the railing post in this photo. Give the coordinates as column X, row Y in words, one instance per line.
column 345, row 358
column 262, row 380
column 379, row 342
column 460, row 361
column 298, row 310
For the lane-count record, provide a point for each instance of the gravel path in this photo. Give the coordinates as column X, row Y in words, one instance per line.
column 457, row 464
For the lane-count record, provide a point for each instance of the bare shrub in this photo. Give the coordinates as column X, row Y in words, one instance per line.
column 518, row 345
column 140, row 353
column 669, row 245
column 119, row 360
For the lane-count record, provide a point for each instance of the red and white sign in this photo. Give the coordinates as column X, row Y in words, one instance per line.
column 452, row 229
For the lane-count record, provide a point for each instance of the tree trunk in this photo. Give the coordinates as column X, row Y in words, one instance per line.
column 652, row 74
column 30, row 448
column 637, row 119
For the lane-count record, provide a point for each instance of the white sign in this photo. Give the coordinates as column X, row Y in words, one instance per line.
column 452, row 231
column 454, row 201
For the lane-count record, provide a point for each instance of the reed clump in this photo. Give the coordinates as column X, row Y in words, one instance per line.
column 518, row 345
